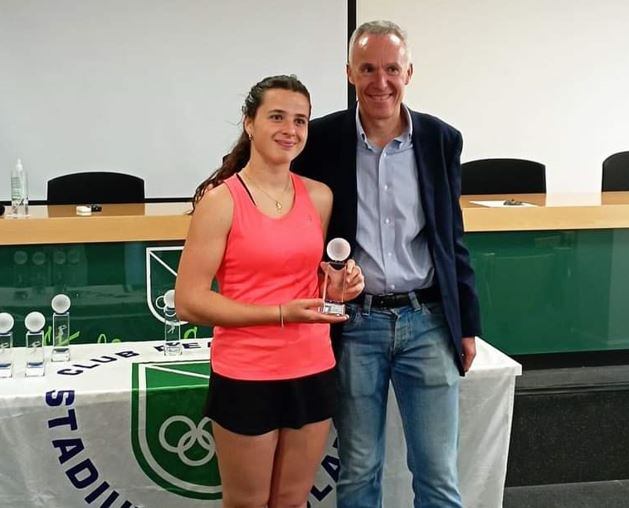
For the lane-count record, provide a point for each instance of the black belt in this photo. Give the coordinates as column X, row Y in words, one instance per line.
column 392, row 300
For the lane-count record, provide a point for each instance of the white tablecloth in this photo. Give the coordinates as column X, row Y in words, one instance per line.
column 89, row 433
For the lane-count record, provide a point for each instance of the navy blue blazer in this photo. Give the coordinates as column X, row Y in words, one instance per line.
column 330, row 157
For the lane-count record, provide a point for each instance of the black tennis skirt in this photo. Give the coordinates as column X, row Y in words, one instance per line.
column 257, row 407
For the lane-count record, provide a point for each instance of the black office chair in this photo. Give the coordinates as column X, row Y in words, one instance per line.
column 503, row 176
column 95, row 187
column 616, row 172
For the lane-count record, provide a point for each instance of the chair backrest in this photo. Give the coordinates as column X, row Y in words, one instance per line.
column 616, row 172
column 503, row 176
column 95, row 187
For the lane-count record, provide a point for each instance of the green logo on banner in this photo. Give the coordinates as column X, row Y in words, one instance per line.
column 172, row 439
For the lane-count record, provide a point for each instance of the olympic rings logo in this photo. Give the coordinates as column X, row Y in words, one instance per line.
column 195, row 434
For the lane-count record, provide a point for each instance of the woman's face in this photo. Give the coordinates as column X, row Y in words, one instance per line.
column 280, row 127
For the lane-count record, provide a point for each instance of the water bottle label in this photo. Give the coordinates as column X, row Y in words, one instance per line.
column 17, row 189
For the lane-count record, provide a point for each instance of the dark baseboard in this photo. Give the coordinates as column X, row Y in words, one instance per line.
column 608, row 494
column 573, row 359
column 569, row 426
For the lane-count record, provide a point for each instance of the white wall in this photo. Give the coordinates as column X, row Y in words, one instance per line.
column 151, row 87
column 546, row 80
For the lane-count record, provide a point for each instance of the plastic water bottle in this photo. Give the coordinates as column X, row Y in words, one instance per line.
column 60, row 328
column 35, row 363
column 172, row 327
column 19, row 191
column 6, row 345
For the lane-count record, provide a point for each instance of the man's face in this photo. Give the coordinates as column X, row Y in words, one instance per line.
column 380, row 70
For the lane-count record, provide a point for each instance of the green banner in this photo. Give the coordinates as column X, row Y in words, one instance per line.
column 172, row 439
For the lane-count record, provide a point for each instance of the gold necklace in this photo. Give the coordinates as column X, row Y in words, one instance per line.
column 278, row 204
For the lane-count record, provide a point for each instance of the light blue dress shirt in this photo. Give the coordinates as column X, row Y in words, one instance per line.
column 392, row 249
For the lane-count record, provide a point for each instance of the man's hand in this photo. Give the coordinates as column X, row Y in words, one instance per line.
column 354, row 281
column 468, row 352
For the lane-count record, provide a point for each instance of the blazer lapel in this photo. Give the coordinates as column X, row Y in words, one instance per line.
column 348, row 139
column 347, row 196
column 424, row 177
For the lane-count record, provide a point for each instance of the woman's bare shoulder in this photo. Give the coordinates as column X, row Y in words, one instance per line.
column 215, row 206
column 316, row 189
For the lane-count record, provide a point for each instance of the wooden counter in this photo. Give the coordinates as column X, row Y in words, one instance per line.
column 553, row 212
column 116, row 223
column 169, row 221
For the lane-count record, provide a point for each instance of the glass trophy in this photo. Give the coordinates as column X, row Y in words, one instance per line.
column 338, row 251
column 35, row 363
column 172, row 327
column 6, row 345
column 60, row 329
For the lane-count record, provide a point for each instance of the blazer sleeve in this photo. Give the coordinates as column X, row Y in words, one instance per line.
column 468, row 298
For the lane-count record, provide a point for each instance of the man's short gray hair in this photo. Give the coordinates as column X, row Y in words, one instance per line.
column 379, row 27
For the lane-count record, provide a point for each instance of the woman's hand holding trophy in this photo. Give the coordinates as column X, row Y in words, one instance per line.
column 343, row 279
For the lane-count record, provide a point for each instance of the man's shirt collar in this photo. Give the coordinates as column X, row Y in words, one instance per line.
column 404, row 138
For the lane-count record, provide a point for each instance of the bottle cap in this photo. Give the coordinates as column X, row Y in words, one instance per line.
column 60, row 303
column 34, row 321
column 6, row 322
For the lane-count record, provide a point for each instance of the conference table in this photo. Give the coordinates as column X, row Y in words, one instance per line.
column 122, row 425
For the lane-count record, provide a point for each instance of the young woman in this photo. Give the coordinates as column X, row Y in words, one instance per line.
column 260, row 230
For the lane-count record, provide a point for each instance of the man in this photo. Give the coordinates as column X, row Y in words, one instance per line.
column 395, row 175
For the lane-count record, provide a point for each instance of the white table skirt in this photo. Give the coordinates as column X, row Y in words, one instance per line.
column 78, row 443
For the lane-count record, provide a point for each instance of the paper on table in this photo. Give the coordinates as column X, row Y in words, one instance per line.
column 501, row 203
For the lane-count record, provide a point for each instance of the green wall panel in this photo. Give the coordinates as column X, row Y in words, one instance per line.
column 540, row 292
column 107, row 283
column 553, row 291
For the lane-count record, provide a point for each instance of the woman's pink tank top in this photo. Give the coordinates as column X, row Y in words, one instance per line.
column 271, row 261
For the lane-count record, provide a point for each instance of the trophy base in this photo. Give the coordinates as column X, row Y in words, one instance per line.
column 333, row 308
column 60, row 354
column 172, row 348
column 35, row 369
